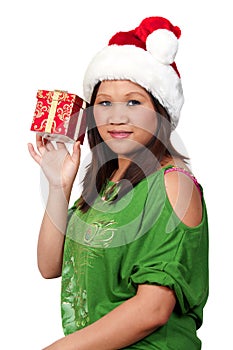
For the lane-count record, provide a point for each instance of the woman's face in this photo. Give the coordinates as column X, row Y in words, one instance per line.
column 124, row 115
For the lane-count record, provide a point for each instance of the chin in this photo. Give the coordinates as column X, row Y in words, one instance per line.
column 125, row 147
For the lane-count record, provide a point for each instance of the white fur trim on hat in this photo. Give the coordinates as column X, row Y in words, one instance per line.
column 128, row 62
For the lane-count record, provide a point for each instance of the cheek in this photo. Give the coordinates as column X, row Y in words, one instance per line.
column 99, row 116
column 103, row 133
column 100, row 122
column 148, row 122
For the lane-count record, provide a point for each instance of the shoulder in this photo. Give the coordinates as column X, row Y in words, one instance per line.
column 184, row 195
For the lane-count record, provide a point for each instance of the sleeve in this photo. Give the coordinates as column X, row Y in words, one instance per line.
column 177, row 259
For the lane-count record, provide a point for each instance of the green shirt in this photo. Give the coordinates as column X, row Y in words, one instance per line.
column 137, row 240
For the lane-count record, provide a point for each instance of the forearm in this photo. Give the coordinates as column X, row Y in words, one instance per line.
column 125, row 325
column 52, row 233
column 60, row 168
column 121, row 327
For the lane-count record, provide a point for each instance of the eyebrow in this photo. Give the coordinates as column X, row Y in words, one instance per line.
column 103, row 95
column 126, row 95
column 135, row 93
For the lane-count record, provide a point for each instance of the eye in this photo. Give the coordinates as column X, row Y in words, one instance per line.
column 133, row 103
column 105, row 103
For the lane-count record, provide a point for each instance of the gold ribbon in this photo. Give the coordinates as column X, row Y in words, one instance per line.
column 52, row 111
column 84, row 105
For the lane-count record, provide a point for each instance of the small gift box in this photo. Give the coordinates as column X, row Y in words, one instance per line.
column 60, row 116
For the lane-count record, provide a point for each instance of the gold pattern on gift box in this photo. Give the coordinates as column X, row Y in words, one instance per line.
column 43, row 125
column 64, row 112
column 40, row 110
column 64, row 115
column 49, row 95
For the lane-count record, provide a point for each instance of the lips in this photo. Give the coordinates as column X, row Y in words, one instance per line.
column 120, row 134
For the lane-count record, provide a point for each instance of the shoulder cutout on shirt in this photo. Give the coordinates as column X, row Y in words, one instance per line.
column 184, row 196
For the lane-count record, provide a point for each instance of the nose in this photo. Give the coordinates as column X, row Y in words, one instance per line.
column 118, row 114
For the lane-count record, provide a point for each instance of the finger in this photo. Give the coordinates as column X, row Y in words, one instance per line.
column 76, row 152
column 61, row 145
column 49, row 146
column 33, row 153
column 40, row 144
column 39, row 140
column 45, row 141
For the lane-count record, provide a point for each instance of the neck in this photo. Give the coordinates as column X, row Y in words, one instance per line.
column 123, row 164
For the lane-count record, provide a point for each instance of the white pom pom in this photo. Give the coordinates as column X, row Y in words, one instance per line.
column 163, row 45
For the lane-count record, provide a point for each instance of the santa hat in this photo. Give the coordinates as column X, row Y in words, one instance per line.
column 145, row 56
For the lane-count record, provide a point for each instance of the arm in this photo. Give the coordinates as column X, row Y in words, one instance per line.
column 128, row 323
column 184, row 197
column 60, row 169
column 151, row 307
column 52, row 234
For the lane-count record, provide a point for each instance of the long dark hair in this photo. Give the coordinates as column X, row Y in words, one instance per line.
column 104, row 161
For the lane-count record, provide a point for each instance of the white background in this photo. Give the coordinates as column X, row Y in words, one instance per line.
column 47, row 44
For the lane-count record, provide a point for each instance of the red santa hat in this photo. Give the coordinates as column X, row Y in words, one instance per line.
column 145, row 56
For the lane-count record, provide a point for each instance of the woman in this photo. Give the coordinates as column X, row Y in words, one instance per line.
column 134, row 261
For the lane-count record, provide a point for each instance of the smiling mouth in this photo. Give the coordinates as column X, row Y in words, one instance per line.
column 120, row 134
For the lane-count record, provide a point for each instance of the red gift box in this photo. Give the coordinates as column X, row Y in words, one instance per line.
column 60, row 116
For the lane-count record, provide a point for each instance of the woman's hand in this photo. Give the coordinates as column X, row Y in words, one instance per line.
column 59, row 166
